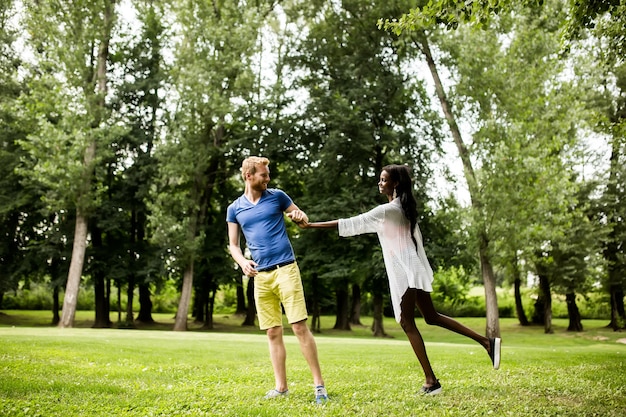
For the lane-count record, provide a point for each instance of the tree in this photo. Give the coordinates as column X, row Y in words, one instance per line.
column 422, row 43
column 361, row 114
column 532, row 142
column 509, row 82
column 19, row 202
column 128, row 256
column 208, row 91
column 71, row 41
column 607, row 115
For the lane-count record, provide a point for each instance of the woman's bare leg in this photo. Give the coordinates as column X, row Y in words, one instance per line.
column 431, row 316
column 407, row 321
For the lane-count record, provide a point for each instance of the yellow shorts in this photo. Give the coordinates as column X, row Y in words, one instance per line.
column 279, row 286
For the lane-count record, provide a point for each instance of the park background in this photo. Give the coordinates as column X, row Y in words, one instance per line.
column 123, row 126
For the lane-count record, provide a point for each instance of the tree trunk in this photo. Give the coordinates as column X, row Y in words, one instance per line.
column 544, row 284
column 200, row 302
column 130, row 298
column 519, row 307
column 377, row 325
column 491, row 301
column 102, row 319
column 517, row 285
column 355, row 312
column 251, row 310
column 491, row 298
column 119, row 301
column 108, row 295
column 76, row 269
column 185, row 297
column 145, row 296
column 204, row 185
column 575, row 322
column 81, row 228
column 55, row 306
column 241, row 298
column 618, row 318
column 208, row 312
column 132, row 268
column 316, row 322
column 614, row 241
column 343, row 307
column 145, row 304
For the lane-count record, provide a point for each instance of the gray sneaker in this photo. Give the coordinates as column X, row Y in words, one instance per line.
column 274, row 393
column 321, row 396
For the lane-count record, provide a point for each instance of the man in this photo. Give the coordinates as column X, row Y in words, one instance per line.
column 258, row 213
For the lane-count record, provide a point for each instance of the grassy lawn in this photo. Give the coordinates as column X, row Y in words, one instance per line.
column 45, row 371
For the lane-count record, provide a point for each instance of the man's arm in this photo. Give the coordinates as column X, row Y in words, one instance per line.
column 302, row 220
column 298, row 216
column 246, row 265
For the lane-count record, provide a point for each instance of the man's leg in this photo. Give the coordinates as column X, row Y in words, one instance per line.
column 270, row 319
column 309, row 350
column 278, row 356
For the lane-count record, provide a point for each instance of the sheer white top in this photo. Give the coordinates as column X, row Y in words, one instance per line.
column 406, row 265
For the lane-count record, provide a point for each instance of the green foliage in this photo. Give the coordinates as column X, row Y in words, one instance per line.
column 361, row 113
column 63, row 103
column 451, row 286
column 448, row 243
column 39, row 297
column 329, row 99
column 15, row 200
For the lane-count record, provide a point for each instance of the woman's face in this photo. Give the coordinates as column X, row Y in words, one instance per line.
column 385, row 185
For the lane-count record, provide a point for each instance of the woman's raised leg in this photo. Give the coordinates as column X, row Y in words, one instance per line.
column 425, row 303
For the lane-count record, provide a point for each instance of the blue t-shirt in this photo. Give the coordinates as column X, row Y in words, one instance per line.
column 263, row 226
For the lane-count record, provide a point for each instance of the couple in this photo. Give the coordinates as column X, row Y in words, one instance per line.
column 258, row 213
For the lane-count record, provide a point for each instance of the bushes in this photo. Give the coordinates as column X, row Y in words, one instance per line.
column 39, row 297
column 452, row 296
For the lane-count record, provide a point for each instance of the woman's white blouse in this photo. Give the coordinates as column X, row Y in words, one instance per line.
column 407, row 267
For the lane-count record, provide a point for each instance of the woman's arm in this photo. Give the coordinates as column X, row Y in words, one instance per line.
column 303, row 221
column 331, row 224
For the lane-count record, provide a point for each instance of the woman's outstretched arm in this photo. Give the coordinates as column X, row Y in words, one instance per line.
column 331, row 224
column 304, row 223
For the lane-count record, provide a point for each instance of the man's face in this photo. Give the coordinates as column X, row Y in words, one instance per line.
column 259, row 180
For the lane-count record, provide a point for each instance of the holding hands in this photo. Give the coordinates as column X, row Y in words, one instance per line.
column 299, row 217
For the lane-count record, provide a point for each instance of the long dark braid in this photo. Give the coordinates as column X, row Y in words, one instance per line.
column 401, row 175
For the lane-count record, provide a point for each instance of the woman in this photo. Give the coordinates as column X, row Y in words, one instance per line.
column 410, row 275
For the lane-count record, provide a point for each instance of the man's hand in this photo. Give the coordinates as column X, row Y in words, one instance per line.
column 298, row 217
column 249, row 268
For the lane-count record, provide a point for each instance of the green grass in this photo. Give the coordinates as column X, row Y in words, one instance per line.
column 45, row 371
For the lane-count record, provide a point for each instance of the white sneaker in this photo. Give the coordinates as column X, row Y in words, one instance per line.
column 494, row 354
column 274, row 393
column 321, row 395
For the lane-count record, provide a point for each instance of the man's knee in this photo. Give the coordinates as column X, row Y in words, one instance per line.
column 300, row 328
column 274, row 333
